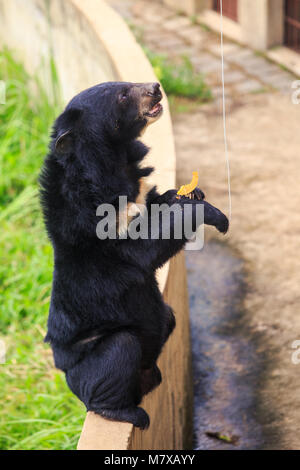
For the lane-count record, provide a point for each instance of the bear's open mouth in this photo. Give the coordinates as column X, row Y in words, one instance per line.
column 155, row 110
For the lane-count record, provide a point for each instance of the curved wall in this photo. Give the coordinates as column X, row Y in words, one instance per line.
column 39, row 29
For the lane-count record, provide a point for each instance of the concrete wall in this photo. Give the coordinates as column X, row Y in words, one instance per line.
column 37, row 29
column 90, row 43
column 260, row 22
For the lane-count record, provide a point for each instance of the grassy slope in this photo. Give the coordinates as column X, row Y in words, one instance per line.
column 37, row 409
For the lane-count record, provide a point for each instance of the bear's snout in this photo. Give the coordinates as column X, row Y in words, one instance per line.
column 153, row 89
column 150, row 97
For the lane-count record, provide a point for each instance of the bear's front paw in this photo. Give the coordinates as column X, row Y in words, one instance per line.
column 198, row 194
column 170, row 197
column 222, row 224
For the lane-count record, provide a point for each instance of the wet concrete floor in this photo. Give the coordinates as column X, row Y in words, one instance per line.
column 226, row 366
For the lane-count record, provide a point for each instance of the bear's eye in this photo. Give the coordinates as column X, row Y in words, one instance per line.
column 123, row 96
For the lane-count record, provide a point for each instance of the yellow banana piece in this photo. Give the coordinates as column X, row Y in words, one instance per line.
column 186, row 189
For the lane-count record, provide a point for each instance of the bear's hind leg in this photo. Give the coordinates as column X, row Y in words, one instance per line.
column 107, row 380
column 150, row 379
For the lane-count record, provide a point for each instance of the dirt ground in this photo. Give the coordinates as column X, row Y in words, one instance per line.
column 264, row 143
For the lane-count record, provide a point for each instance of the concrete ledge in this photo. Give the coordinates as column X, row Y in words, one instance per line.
column 287, row 57
column 170, row 405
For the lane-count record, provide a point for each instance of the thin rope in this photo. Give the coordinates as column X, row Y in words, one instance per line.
column 224, row 117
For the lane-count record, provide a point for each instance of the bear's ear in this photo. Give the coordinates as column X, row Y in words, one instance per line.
column 69, row 120
column 64, row 143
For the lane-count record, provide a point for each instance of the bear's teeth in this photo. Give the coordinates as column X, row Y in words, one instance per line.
column 155, row 108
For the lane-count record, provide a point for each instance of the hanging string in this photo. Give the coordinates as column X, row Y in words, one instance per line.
column 224, row 117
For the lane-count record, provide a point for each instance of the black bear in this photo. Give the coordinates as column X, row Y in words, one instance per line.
column 108, row 321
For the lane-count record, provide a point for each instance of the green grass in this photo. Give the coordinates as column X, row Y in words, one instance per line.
column 193, row 19
column 179, row 79
column 37, row 409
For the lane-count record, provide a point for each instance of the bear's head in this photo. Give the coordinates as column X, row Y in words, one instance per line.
column 110, row 112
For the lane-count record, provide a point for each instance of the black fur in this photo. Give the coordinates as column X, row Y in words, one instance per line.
column 108, row 321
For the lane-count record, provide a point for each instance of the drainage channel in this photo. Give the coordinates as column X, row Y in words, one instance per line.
column 225, row 362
